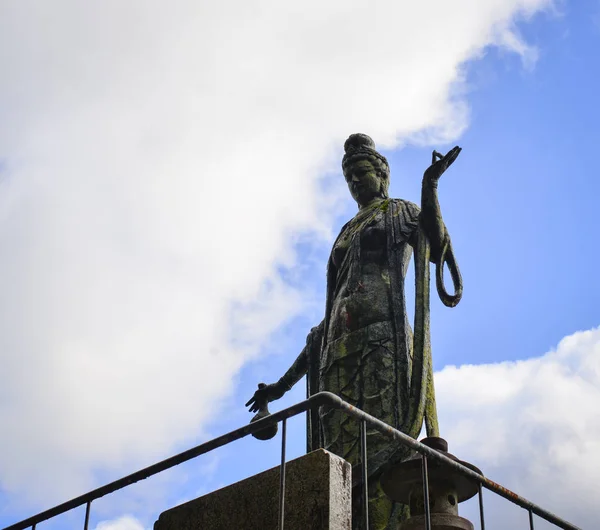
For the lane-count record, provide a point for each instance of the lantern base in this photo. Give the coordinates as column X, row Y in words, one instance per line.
column 439, row 521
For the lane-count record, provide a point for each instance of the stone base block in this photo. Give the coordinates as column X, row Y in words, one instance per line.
column 318, row 497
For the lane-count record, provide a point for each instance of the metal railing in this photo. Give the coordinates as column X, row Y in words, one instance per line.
column 315, row 401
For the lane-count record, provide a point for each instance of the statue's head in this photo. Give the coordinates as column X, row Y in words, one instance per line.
column 366, row 171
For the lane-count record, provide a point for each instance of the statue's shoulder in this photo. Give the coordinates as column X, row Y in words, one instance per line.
column 408, row 208
column 406, row 215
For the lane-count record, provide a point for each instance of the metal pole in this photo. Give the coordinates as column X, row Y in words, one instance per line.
column 313, row 402
column 282, row 475
column 87, row 515
column 335, row 401
column 530, row 519
column 363, row 462
column 426, row 493
column 482, row 521
column 316, row 400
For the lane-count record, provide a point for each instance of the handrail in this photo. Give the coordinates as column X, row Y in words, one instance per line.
column 317, row 400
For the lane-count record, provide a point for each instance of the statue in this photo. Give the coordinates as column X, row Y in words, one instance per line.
column 364, row 349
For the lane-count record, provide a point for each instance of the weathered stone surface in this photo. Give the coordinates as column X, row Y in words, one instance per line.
column 403, row 483
column 439, row 521
column 364, row 349
column 318, row 497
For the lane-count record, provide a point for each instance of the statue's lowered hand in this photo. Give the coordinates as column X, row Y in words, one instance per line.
column 439, row 164
column 264, row 395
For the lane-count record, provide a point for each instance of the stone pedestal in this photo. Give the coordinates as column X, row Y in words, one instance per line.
column 318, row 497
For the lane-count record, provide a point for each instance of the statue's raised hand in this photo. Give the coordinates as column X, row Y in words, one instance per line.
column 439, row 164
column 264, row 395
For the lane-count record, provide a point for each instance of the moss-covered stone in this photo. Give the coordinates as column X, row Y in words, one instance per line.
column 364, row 350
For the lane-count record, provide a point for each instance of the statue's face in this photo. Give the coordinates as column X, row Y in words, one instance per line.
column 363, row 182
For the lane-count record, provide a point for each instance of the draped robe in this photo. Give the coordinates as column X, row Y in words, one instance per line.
column 372, row 367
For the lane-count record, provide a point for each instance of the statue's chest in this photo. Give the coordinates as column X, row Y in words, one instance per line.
column 369, row 233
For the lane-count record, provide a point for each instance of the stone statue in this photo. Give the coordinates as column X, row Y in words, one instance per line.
column 364, row 349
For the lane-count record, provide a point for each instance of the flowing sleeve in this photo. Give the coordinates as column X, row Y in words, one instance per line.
column 422, row 406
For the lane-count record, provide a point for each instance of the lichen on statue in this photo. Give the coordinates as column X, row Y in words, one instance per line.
column 364, row 350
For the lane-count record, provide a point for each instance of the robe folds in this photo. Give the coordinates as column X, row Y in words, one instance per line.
column 383, row 368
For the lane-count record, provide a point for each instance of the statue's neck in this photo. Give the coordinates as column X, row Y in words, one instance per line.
column 371, row 203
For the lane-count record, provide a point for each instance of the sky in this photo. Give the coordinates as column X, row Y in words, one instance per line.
column 170, row 187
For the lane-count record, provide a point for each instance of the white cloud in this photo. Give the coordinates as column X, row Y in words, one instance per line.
column 532, row 426
column 126, row 522
column 158, row 163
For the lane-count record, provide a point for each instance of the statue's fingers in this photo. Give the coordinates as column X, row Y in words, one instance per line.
column 250, row 401
column 452, row 155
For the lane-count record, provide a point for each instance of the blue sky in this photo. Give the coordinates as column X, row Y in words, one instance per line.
column 519, row 203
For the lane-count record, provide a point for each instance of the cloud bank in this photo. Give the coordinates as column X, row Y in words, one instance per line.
column 532, row 426
column 157, row 164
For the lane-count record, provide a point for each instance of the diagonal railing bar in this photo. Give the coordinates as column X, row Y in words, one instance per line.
column 317, row 400
column 313, row 402
column 439, row 457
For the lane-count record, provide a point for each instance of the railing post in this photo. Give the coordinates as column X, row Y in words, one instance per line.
column 282, row 475
column 481, row 519
column 316, row 400
column 363, row 462
column 87, row 515
column 426, row 506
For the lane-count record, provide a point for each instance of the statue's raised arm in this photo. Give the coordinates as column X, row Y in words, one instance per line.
column 433, row 225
